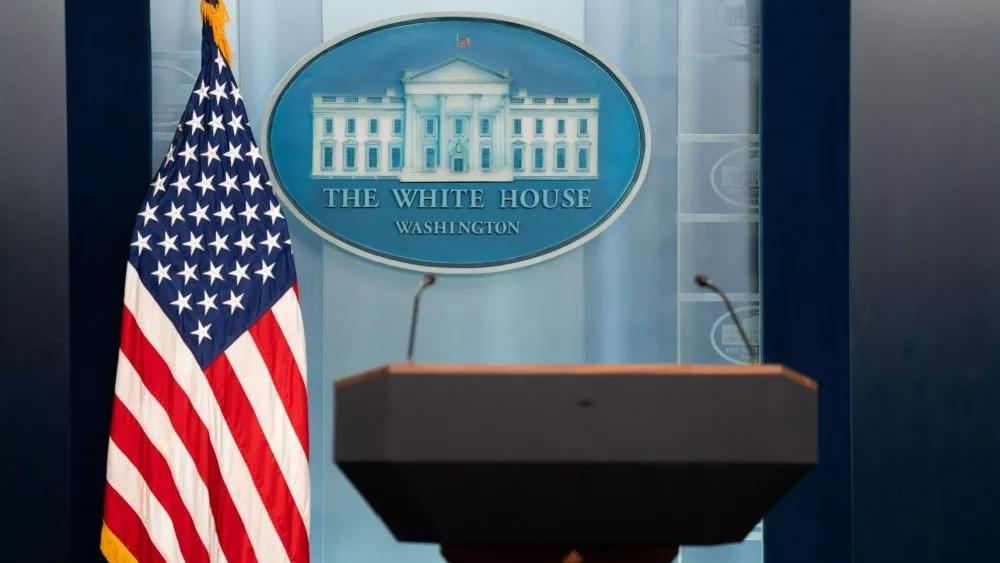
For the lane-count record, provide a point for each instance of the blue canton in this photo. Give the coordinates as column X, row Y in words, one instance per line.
column 211, row 244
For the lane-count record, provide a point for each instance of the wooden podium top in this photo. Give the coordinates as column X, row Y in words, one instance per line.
column 659, row 370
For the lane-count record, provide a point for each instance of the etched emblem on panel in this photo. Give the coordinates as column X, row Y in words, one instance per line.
column 456, row 143
column 736, row 177
column 739, row 20
column 725, row 335
column 455, row 121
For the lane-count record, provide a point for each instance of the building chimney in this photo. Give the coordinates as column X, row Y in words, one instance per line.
column 522, row 92
column 390, row 91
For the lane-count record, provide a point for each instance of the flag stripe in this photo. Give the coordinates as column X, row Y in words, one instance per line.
column 164, row 340
column 284, row 370
column 264, row 469
column 288, row 315
column 265, row 399
column 127, row 528
column 126, row 480
column 158, row 429
column 128, row 436
column 155, row 375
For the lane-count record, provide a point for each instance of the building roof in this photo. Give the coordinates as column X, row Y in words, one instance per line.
column 457, row 69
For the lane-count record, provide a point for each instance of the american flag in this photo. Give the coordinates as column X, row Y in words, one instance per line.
column 209, row 441
column 462, row 42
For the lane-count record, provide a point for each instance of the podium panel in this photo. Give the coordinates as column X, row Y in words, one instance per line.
column 619, row 455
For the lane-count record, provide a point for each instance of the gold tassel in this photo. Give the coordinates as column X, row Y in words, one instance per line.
column 113, row 549
column 217, row 17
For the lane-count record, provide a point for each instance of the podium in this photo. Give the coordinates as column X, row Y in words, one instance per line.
column 586, row 463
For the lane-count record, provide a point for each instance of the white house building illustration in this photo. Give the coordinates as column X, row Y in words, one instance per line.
column 455, row 122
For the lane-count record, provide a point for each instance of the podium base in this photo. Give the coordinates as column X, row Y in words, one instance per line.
column 476, row 554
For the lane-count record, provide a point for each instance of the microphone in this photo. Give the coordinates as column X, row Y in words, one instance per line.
column 703, row 282
column 427, row 280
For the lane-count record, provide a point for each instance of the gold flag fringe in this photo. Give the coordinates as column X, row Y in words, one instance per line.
column 217, row 16
column 113, row 549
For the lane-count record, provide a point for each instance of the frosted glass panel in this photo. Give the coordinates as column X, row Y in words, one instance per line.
column 626, row 296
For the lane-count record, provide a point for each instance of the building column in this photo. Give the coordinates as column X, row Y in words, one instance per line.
column 501, row 139
column 410, row 129
column 440, row 130
column 474, row 134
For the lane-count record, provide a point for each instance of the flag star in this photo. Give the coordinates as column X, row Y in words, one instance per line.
column 188, row 153
column 157, row 184
column 288, row 241
column 182, row 302
column 168, row 243
column 181, row 183
column 161, row 272
column 208, row 302
column 216, row 123
column 199, row 214
column 148, row 214
column 141, row 243
column 212, row 152
column 175, row 213
column 214, row 273
column 235, row 93
column 236, row 123
column 194, row 243
column 224, row 212
column 271, row 242
column 240, row 272
column 189, row 272
column 274, row 213
column 233, row 153
column 219, row 243
column 249, row 212
column 265, row 271
column 245, row 243
column 202, row 92
column 233, row 302
column 206, row 184
column 219, row 92
column 220, row 61
column 202, row 332
column 230, row 184
column 170, row 155
column 253, row 183
column 196, row 122
column 253, row 154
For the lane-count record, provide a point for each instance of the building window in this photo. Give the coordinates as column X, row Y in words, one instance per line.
column 517, row 126
column 373, row 158
column 582, row 159
column 539, row 127
column 485, row 158
column 396, row 157
column 518, row 158
column 561, row 126
column 560, row 158
column 327, row 158
column 539, row 163
column 429, row 126
column 484, row 126
column 583, row 126
column 429, row 158
column 350, row 125
column 397, row 127
column 350, row 158
column 459, row 126
column 373, row 127
column 328, row 126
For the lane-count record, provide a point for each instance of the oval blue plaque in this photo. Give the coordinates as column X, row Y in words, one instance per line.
column 456, row 143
